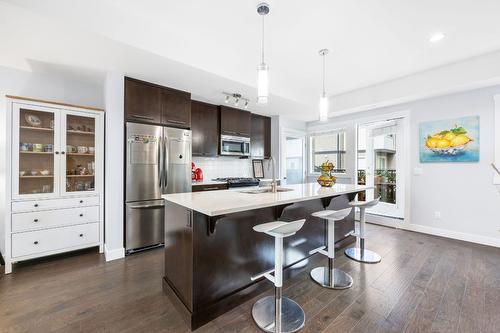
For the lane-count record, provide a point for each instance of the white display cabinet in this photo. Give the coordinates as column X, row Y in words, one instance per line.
column 54, row 179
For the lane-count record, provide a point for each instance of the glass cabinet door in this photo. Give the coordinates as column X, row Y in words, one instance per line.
column 79, row 145
column 35, row 164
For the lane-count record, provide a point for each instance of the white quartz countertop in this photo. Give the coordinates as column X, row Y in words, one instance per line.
column 213, row 203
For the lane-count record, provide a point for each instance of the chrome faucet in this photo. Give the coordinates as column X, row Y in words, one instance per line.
column 274, row 184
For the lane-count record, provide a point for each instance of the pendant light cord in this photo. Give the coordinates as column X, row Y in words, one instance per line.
column 324, row 66
column 262, row 60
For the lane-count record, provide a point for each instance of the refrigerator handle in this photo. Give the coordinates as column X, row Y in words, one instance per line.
column 160, row 172
column 165, row 163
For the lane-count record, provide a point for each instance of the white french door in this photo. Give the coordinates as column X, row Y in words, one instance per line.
column 384, row 166
column 293, row 157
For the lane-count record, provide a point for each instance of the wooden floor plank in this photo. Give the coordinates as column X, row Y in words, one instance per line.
column 423, row 284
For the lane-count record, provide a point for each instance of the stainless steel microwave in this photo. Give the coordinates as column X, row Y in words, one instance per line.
column 234, row 145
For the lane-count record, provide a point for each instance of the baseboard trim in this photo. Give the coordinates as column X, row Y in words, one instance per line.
column 483, row 240
column 384, row 221
column 114, row 253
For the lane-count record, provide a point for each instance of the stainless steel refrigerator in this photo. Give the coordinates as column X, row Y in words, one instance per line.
column 158, row 161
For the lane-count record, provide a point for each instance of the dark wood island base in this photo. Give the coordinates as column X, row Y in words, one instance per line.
column 209, row 259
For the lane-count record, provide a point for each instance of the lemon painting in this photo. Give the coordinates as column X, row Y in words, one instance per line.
column 453, row 140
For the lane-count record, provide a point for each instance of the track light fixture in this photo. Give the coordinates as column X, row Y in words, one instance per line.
column 236, row 98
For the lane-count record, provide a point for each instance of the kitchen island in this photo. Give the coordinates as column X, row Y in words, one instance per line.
column 211, row 250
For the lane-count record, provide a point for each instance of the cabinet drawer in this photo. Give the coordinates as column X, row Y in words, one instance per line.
column 54, row 218
column 38, row 242
column 26, row 206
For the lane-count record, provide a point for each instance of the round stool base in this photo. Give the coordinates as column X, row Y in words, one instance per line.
column 340, row 279
column 292, row 315
column 366, row 256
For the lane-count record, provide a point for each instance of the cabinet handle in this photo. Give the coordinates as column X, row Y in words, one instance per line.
column 81, row 235
column 35, row 242
column 81, row 201
column 36, row 205
column 81, row 215
column 63, row 152
column 141, row 117
column 175, row 121
column 35, row 220
column 57, row 153
column 211, row 188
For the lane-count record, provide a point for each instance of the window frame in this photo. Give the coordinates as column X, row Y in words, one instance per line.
column 310, row 151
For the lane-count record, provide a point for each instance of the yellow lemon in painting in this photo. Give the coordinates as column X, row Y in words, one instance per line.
column 437, row 136
column 460, row 140
column 449, row 136
column 443, row 143
column 432, row 142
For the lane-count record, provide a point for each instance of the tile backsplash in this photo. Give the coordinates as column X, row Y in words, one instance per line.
column 219, row 167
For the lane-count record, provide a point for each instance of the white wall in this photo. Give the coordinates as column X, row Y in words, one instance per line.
column 49, row 87
column 114, row 166
column 463, row 193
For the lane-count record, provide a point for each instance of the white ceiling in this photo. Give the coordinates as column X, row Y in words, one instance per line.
column 217, row 42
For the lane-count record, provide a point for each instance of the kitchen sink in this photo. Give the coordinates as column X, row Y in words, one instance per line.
column 265, row 190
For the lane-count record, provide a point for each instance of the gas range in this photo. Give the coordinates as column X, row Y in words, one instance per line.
column 238, row 181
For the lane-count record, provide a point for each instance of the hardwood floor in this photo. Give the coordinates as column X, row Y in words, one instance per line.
column 423, row 284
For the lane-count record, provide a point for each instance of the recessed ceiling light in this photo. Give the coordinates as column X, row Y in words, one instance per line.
column 437, row 37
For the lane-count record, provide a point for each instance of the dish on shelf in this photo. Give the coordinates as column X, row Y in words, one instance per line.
column 34, row 172
column 32, row 120
column 70, row 149
column 45, row 172
column 48, row 148
column 38, row 147
column 23, row 146
column 22, row 173
column 91, row 150
column 82, row 149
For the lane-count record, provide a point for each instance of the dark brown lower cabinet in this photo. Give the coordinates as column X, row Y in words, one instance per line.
column 208, row 187
column 209, row 260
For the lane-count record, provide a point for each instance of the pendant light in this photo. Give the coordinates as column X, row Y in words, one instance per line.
column 323, row 100
column 262, row 69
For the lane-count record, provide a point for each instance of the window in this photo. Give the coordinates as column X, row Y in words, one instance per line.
column 329, row 146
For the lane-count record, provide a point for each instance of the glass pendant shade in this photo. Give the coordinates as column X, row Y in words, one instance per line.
column 262, row 84
column 323, row 107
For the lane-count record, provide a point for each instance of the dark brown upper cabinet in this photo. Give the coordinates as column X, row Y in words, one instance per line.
column 175, row 108
column 261, row 136
column 234, row 121
column 142, row 101
column 205, row 127
column 151, row 103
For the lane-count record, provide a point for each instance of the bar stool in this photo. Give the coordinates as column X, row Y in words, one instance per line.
column 360, row 253
column 278, row 314
column 330, row 277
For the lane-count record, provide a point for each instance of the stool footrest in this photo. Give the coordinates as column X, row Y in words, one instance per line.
column 319, row 249
column 266, row 274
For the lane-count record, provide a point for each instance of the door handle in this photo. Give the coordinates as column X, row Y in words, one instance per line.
column 147, row 206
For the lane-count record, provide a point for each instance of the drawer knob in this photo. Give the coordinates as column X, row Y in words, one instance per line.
column 81, row 215
column 81, row 235
column 36, row 205
column 35, row 220
column 35, row 242
column 81, row 201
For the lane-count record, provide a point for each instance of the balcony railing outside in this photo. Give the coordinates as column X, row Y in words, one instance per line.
column 385, row 184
